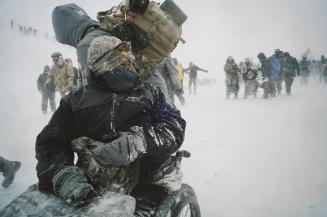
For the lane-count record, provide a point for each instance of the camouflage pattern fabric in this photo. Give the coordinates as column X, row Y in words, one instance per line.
column 231, row 73
column 62, row 77
column 161, row 31
column 231, row 78
column 35, row 203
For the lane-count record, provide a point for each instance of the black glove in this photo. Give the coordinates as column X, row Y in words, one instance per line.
column 119, row 152
column 71, row 184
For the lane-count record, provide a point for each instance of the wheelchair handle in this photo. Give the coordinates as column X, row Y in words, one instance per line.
column 183, row 153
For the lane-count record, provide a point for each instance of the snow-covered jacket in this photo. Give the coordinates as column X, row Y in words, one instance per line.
column 231, row 73
column 96, row 112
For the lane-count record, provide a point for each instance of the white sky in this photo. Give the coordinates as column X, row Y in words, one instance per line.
column 215, row 28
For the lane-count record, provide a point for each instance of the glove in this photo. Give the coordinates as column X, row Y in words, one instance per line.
column 121, row 151
column 71, row 184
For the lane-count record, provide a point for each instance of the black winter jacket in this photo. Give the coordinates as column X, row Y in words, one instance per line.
column 266, row 69
column 94, row 112
column 42, row 86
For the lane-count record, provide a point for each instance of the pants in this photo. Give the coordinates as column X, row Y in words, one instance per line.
column 288, row 82
column 278, row 81
column 269, row 89
column 232, row 88
column 48, row 96
column 192, row 82
column 250, row 88
column 3, row 164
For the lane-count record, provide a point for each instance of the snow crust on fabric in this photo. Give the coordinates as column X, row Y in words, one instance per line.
column 38, row 204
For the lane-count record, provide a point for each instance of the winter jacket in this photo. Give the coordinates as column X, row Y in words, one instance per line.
column 250, row 74
column 305, row 67
column 291, row 66
column 194, row 71
column 94, row 112
column 231, row 72
column 180, row 71
column 276, row 65
column 266, row 69
column 42, row 84
column 78, row 78
column 168, row 71
column 62, row 77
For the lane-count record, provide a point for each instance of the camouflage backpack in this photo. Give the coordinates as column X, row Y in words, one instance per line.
column 162, row 32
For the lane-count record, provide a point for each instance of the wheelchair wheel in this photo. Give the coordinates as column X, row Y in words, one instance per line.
column 182, row 203
column 188, row 207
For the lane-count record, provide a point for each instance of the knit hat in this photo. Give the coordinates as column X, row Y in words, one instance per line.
column 104, row 55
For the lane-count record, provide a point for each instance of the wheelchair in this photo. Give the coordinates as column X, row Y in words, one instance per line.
column 181, row 203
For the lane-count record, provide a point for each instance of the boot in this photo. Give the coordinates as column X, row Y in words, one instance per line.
column 10, row 172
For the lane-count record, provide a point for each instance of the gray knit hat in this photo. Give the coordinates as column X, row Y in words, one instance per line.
column 103, row 55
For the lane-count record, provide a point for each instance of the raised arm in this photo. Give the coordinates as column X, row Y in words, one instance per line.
column 200, row 69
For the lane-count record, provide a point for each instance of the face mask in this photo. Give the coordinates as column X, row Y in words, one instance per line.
column 120, row 79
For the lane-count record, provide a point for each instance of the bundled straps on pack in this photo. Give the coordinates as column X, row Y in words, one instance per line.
column 161, row 25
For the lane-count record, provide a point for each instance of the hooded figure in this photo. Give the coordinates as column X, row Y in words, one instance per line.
column 47, row 89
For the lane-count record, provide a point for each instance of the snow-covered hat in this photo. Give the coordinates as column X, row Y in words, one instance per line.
column 103, row 55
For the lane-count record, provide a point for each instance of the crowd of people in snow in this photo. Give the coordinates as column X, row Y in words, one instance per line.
column 270, row 73
column 29, row 30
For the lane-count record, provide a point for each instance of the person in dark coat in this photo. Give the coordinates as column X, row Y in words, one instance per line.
column 305, row 70
column 291, row 69
column 192, row 70
column 131, row 121
column 47, row 90
column 269, row 86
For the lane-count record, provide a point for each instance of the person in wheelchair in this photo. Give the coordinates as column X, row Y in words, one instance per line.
column 122, row 130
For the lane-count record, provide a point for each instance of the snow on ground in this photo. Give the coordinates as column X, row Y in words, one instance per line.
column 250, row 158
